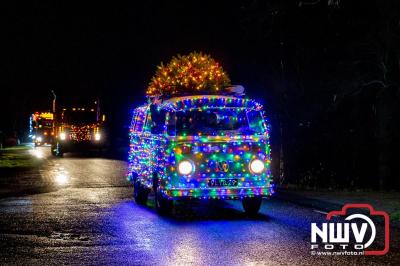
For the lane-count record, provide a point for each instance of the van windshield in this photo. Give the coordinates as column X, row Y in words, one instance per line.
column 216, row 121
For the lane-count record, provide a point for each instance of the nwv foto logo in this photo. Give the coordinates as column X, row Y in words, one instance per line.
column 339, row 235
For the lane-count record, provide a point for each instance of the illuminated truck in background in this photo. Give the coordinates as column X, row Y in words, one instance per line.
column 42, row 128
column 200, row 147
column 79, row 129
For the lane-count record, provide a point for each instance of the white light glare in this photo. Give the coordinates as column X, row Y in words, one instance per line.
column 257, row 166
column 185, row 167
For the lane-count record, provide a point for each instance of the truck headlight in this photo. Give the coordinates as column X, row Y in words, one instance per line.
column 63, row 136
column 97, row 136
column 256, row 166
column 185, row 167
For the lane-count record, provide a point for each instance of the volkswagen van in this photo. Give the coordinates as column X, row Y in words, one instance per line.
column 200, row 147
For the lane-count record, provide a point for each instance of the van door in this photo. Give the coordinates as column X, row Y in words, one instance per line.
column 155, row 140
column 136, row 150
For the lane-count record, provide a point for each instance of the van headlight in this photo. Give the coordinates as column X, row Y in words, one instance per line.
column 256, row 166
column 63, row 136
column 185, row 167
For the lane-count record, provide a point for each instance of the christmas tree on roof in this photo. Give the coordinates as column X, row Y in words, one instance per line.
column 195, row 73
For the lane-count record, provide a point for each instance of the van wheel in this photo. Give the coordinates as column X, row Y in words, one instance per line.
column 163, row 206
column 56, row 150
column 252, row 205
column 140, row 193
column 53, row 150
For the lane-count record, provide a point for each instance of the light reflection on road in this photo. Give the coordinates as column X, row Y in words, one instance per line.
column 188, row 250
column 183, row 239
column 61, row 178
column 53, row 172
column 80, row 210
column 37, row 153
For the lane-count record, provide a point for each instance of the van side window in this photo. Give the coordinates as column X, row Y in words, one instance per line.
column 155, row 120
column 171, row 123
column 149, row 122
column 139, row 119
column 256, row 122
column 132, row 127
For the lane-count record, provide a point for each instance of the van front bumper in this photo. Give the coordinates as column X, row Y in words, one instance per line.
column 218, row 193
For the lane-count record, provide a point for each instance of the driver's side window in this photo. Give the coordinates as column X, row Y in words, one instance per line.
column 139, row 120
column 171, row 123
column 155, row 122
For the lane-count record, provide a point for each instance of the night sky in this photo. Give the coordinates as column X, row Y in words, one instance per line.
column 112, row 50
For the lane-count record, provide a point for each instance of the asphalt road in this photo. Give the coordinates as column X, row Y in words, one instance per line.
column 80, row 210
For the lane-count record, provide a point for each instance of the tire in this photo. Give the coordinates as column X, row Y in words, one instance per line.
column 58, row 150
column 252, row 205
column 53, row 151
column 140, row 193
column 163, row 206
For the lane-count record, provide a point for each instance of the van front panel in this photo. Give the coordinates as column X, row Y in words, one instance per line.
column 221, row 167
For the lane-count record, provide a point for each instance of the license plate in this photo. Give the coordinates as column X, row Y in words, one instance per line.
column 222, row 182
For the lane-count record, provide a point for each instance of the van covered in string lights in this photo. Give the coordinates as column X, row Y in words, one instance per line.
column 200, row 147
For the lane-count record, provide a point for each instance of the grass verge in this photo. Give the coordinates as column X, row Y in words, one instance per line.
column 17, row 157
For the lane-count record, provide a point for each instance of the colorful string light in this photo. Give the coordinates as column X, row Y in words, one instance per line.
column 220, row 159
column 188, row 74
